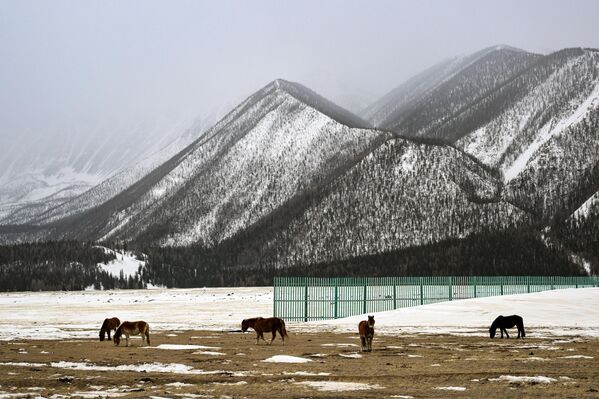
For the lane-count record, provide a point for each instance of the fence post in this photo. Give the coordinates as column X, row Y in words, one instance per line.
column 450, row 288
column 336, row 297
column 501, row 279
column 365, row 287
column 475, row 286
column 394, row 296
column 421, row 293
column 306, row 300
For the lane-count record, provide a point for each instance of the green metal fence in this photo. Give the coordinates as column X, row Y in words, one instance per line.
column 315, row 298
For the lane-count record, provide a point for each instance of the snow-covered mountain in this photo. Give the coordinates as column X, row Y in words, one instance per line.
column 60, row 185
column 403, row 194
column 281, row 141
column 498, row 142
column 533, row 117
column 415, row 107
column 545, row 139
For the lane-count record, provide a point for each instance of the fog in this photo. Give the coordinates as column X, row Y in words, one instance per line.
column 73, row 69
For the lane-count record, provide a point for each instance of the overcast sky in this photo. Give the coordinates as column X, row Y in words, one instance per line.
column 88, row 66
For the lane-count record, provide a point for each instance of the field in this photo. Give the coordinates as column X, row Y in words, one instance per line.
column 49, row 348
column 220, row 364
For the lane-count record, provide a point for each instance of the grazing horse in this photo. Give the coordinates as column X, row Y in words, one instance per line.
column 503, row 322
column 366, row 330
column 262, row 325
column 109, row 324
column 132, row 328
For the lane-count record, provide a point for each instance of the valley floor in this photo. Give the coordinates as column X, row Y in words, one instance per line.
column 49, row 348
column 209, row 364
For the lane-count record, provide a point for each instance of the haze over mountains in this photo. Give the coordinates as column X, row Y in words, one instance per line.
column 498, row 141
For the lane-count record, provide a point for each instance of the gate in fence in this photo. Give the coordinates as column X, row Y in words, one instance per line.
column 316, row 298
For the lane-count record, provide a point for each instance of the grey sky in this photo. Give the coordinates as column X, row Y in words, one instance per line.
column 85, row 67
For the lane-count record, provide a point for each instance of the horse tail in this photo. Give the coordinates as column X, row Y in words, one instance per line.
column 147, row 334
column 523, row 332
column 283, row 329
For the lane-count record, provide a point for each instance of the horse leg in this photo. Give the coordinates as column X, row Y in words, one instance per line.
column 274, row 335
column 126, row 339
column 362, row 343
column 506, row 334
column 257, row 337
column 109, row 334
column 282, row 335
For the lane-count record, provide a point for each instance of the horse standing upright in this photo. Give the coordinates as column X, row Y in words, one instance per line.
column 366, row 330
column 129, row 328
column 109, row 324
column 503, row 322
column 262, row 325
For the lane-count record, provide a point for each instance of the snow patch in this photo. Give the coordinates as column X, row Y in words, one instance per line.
column 209, row 353
column 184, row 347
column 126, row 263
column 339, row 386
column 178, row 384
column 577, row 357
column 524, row 379
column 286, row 359
column 306, row 373
column 351, row 355
column 459, row 389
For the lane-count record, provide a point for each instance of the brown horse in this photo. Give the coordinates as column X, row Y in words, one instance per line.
column 107, row 326
column 132, row 328
column 366, row 330
column 262, row 325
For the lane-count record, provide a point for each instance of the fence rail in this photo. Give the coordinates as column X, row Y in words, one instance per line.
column 316, row 298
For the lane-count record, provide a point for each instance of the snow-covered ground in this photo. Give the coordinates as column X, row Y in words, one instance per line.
column 126, row 262
column 559, row 312
column 59, row 315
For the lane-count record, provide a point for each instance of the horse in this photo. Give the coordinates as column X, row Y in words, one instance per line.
column 366, row 330
column 109, row 324
column 262, row 325
column 503, row 322
column 132, row 328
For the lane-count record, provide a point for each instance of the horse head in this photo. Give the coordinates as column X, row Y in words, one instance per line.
column 492, row 331
column 244, row 325
column 102, row 335
column 116, row 338
column 370, row 321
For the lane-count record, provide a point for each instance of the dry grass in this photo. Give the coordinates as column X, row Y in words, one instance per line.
column 405, row 365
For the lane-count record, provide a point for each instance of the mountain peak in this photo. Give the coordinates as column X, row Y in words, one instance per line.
column 316, row 101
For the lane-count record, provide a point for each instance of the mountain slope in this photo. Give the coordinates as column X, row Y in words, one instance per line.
column 54, row 184
column 280, row 141
column 546, row 141
column 401, row 195
column 416, row 107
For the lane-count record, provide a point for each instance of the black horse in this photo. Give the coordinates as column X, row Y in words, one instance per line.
column 503, row 322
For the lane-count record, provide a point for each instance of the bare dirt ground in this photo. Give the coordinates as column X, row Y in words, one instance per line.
column 419, row 366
